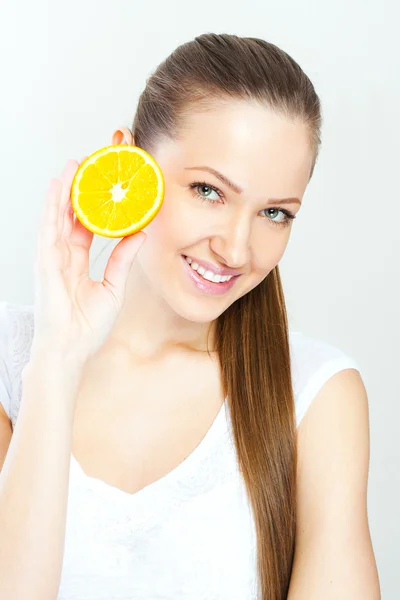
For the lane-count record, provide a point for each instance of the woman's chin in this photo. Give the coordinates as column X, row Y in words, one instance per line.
column 197, row 310
column 199, row 315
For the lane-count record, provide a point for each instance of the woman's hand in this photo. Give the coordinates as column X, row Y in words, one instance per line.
column 73, row 313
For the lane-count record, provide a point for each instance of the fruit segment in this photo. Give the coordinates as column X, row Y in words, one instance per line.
column 117, row 190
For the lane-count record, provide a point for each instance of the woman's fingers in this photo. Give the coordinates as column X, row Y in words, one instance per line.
column 79, row 244
column 120, row 262
column 68, row 214
column 66, row 218
column 80, row 240
column 47, row 256
column 48, row 231
column 66, row 177
column 80, row 236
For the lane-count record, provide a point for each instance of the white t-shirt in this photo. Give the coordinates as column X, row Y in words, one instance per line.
column 189, row 535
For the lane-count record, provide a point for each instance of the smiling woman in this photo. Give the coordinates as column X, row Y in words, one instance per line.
column 166, row 434
column 242, row 225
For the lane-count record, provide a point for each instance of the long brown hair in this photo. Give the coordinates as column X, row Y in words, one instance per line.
column 252, row 338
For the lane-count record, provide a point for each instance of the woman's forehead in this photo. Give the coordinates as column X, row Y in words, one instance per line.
column 249, row 144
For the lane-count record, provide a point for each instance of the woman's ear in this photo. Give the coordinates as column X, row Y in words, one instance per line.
column 123, row 135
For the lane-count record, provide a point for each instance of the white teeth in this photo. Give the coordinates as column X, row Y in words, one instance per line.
column 209, row 275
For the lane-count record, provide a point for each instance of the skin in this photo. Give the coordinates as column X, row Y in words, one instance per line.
column 269, row 157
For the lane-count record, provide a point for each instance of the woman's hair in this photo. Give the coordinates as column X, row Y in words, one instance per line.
column 252, row 337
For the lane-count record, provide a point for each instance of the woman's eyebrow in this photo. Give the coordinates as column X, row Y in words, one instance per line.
column 235, row 187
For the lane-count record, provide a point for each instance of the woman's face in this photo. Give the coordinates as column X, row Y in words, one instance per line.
column 204, row 219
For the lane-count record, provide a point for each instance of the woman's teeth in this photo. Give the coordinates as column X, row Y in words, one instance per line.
column 209, row 275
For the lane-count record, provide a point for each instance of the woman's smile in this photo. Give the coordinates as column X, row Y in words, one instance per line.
column 206, row 280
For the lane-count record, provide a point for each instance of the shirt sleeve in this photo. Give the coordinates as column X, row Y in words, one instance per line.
column 5, row 379
column 314, row 362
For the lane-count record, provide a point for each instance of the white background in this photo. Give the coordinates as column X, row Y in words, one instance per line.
column 72, row 72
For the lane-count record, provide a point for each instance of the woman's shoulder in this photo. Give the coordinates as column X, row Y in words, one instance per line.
column 313, row 362
column 16, row 335
column 16, row 325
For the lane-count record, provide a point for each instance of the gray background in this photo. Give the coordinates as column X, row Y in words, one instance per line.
column 72, row 72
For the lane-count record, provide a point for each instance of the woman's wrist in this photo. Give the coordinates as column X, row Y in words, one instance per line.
column 44, row 353
column 54, row 367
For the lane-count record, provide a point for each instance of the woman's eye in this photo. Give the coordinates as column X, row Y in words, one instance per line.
column 274, row 212
column 206, row 191
column 286, row 219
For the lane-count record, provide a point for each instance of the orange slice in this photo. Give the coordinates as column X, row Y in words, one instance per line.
column 117, row 190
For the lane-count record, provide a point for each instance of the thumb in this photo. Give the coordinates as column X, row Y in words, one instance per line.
column 120, row 262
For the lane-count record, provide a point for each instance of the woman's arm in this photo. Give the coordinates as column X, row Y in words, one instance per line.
column 34, row 482
column 334, row 556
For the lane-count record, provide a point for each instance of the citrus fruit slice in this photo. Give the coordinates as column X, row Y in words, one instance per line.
column 117, row 190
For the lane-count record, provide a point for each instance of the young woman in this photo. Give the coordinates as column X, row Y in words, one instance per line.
column 164, row 435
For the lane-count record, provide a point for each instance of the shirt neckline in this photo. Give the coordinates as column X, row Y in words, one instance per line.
column 174, row 476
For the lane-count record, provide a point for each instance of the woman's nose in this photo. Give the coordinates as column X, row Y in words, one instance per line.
column 232, row 243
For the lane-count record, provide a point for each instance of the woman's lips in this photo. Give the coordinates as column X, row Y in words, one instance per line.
column 214, row 268
column 206, row 286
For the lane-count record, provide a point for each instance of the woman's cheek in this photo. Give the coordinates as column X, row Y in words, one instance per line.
column 179, row 224
column 269, row 255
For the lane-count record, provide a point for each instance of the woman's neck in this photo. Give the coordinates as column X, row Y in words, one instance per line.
column 148, row 326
